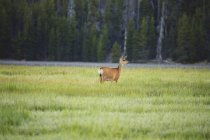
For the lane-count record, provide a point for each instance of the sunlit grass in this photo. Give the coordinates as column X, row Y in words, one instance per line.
column 70, row 103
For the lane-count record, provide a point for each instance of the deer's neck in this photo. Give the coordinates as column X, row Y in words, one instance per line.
column 119, row 68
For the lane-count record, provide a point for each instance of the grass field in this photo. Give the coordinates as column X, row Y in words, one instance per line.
column 69, row 103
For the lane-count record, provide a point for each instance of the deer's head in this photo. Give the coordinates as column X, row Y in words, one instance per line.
column 123, row 60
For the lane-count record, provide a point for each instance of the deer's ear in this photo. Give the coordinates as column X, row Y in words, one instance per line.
column 124, row 57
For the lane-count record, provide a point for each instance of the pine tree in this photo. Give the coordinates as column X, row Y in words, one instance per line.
column 101, row 47
column 74, row 51
column 6, row 10
column 93, row 43
column 113, row 18
column 198, row 51
column 130, row 40
column 183, row 39
column 140, row 50
column 146, row 9
column 151, row 39
column 115, row 52
column 52, row 45
column 85, row 44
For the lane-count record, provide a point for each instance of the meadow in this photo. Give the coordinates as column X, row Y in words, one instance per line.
column 40, row 102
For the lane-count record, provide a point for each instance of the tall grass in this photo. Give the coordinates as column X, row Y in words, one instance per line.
column 70, row 103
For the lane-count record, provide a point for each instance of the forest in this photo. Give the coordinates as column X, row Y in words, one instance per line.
column 102, row 30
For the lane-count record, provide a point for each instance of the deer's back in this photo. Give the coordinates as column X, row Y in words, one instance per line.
column 109, row 72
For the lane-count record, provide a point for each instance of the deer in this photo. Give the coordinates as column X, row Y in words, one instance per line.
column 111, row 74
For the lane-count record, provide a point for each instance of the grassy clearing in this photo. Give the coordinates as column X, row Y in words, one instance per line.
column 69, row 103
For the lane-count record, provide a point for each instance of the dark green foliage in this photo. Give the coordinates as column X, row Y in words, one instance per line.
column 146, row 9
column 115, row 52
column 140, row 50
column 102, row 43
column 183, row 39
column 93, row 43
column 113, row 19
column 170, row 43
column 100, row 50
column 90, row 44
column 43, row 30
column 141, row 43
column 191, row 38
column 151, row 39
column 142, row 39
column 130, row 40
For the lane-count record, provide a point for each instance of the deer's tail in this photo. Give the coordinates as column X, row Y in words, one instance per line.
column 100, row 72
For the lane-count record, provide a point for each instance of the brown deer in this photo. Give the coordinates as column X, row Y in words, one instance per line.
column 111, row 74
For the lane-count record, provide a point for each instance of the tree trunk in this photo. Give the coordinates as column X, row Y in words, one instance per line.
column 70, row 8
column 125, row 26
column 161, row 33
column 125, row 41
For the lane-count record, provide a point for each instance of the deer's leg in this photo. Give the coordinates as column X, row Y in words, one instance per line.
column 111, row 80
column 115, row 79
column 101, row 78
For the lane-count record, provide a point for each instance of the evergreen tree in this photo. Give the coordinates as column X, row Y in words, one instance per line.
column 85, row 44
column 146, row 9
column 140, row 50
column 170, row 40
column 198, row 51
column 113, row 19
column 93, row 43
column 206, row 10
column 151, row 39
column 6, row 29
column 130, row 40
column 52, row 45
column 74, row 50
column 90, row 43
column 115, row 52
column 101, row 47
column 183, row 39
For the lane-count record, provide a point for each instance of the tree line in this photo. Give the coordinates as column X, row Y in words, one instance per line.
column 102, row 30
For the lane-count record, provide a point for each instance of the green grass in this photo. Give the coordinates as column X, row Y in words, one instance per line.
column 70, row 103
